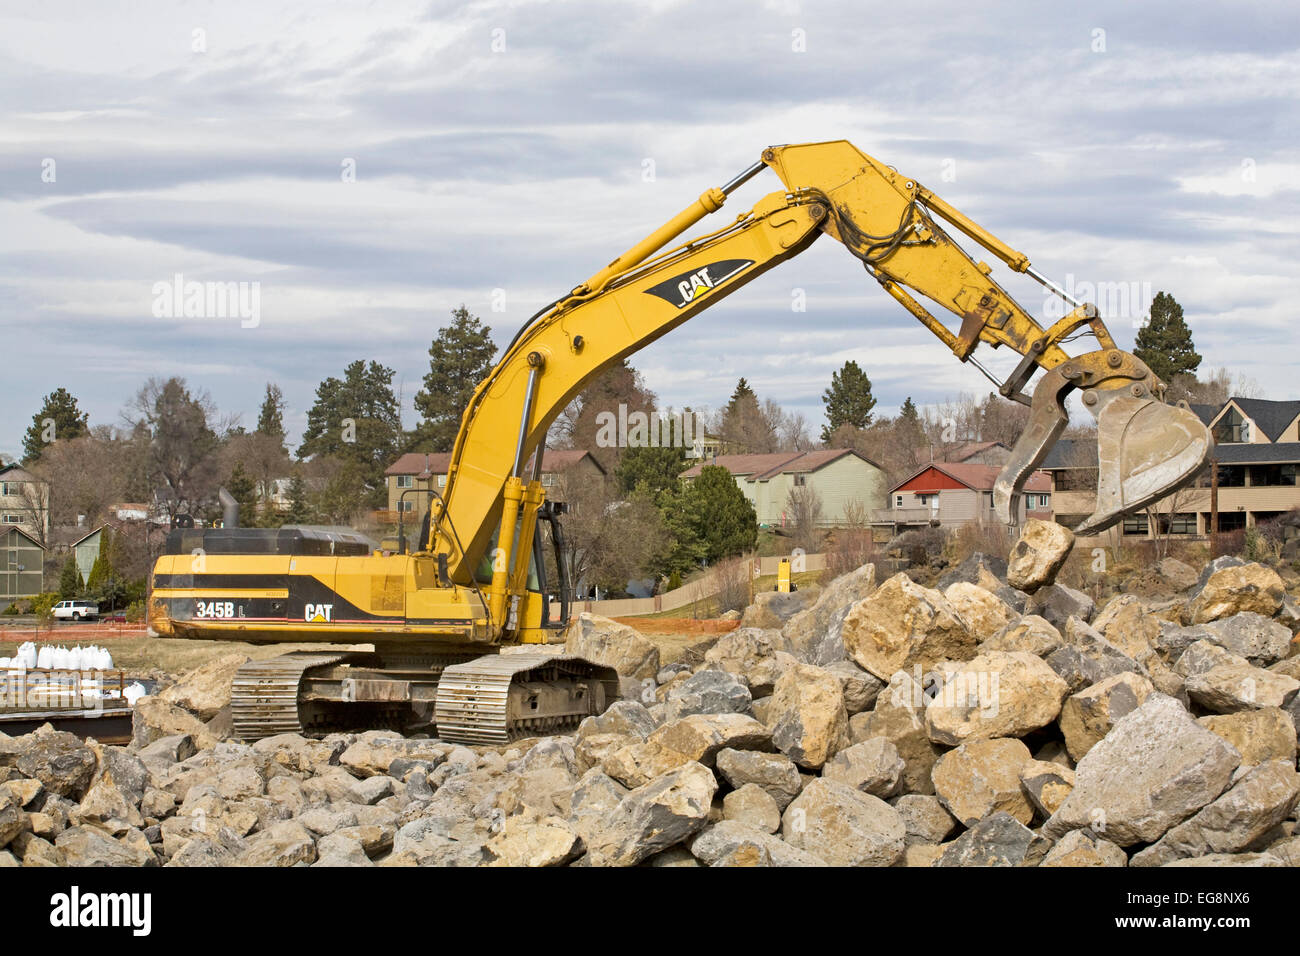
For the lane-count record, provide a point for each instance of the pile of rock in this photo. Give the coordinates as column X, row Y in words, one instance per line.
column 862, row 725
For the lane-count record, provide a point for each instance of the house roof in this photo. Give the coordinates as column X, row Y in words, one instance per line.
column 810, row 461
column 1272, row 453
column 15, row 529
column 421, row 464
column 13, row 465
column 85, row 536
column 1206, row 413
column 1272, row 418
column 978, row 477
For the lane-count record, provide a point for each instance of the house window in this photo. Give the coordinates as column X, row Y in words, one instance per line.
column 405, row 481
column 1135, row 524
column 1075, row 479
column 548, row 479
column 1273, row 475
column 1232, row 428
column 898, row 501
column 988, row 500
column 1232, row 476
column 13, row 519
column 442, row 481
column 800, row 480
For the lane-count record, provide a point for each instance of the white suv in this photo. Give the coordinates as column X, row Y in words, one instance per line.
column 76, row 610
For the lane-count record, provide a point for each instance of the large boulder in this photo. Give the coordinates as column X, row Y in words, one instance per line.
column 752, row 806
column 637, row 763
column 988, row 571
column 89, row 846
column 1088, row 715
column 1038, row 555
column 807, row 717
column 814, row 635
column 982, row 777
column 1154, row 769
column 844, row 826
column 1258, row 802
column 996, row 694
column 625, row 717
column 205, row 690
column 605, row 641
column 1232, row 590
column 1082, row 848
column 925, row 818
column 654, row 817
column 902, row 626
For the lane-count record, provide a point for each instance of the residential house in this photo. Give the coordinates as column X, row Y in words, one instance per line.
column 1257, row 451
column 86, row 550
column 22, row 560
column 24, row 501
column 413, row 477
column 844, row 480
column 946, row 494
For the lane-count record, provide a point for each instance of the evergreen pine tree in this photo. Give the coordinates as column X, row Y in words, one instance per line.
column 59, row 419
column 1165, row 341
column 70, row 583
column 848, row 401
column 459, row 358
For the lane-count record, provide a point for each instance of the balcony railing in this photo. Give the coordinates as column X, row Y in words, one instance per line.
column 905, row 515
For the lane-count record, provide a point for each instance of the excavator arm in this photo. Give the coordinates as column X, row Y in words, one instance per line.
column 892, row 225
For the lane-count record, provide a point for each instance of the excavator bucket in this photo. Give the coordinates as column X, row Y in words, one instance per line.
column 1145, row 448
column 1145, row 451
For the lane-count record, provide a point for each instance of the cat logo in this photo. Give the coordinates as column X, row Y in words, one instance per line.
column 682, row 290
column 318, row 613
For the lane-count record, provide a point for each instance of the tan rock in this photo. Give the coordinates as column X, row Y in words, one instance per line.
column 813, row 635
column 997, row 694
column 843, row 826
column 903, row 625
column 1038, row 555
column 872, row 766
column 1258, row 735
column 1231, row 687
column 983, row 612
column 1246, row 587
column 1047, row 785
column 752, row 806
column 701, row 736
column 1088, row 716
column 637, row 764
column 153, row 718
column 1081, row 848
column 534, row 843
column 807, row 717
column 1030, row 633
column 982, row 777
column 605, row 641
column 752, row 654
column 205, row 690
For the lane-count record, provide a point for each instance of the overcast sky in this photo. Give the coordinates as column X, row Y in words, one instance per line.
column 503, row 145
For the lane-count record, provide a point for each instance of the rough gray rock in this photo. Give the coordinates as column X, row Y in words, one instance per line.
column 732, row 843
column 708, row 692
column 775, row 773
column 925, row 818
column 1057, row 603
column 998, row 840
column 1258, row 802
column 1154, row 769
column 1258, row 639
column 654, row 817
column 872, row 766
column 1088, row 658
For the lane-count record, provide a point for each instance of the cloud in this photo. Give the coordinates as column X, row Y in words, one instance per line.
column 503, row 151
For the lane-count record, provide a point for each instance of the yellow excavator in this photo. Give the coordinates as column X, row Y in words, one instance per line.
column 474, row 582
